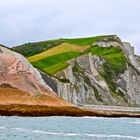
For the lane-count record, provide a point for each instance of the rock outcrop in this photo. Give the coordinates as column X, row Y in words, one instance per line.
column 16, row 71
column 21, row 83
column 111, row 77
column 84, row 84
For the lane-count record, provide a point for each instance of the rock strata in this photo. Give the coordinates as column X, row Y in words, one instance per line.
column 16, row 71
column 87, row 86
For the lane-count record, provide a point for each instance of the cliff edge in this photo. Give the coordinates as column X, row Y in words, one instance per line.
column 21, row 83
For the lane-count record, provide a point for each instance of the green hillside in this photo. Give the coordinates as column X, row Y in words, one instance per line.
column 53, row 56
column 55, row 63
column 63, row 47
column 30, row 49
column 115, row 63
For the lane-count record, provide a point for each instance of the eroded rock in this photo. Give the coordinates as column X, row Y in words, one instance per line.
column 86, row 86
column 17, row 72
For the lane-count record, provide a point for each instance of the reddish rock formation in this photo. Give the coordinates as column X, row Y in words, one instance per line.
column 21, row 83
column 16, row 71
column 10, row 96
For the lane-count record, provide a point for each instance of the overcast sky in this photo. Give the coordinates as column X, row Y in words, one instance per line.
column 24, row 21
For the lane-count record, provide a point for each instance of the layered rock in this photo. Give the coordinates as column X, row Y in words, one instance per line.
column 83, row 83
column 21, row 83
column 16, row 71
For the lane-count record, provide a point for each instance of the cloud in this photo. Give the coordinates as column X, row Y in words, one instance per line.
column 29, row 20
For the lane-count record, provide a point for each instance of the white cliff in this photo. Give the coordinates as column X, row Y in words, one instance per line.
column 86, row 85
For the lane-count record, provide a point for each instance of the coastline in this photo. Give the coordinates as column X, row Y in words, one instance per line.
column 15, row 102
column 41, row 110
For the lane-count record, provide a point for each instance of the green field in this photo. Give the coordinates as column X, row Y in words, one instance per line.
column 52, row 56
column 83, row 41
column 55, row 63
column 30, row 49
column 64, row 47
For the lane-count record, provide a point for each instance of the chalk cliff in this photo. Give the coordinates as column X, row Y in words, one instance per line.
column 101, row 79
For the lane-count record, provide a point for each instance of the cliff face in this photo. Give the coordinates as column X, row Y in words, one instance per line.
column 21, row 83
column 99, row 70
column 16, row 71
column 96, row 79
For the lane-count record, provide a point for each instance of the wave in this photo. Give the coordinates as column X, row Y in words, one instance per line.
column 73, row 134
column 20, row 129
column 55, row 133
column 112, row 136
column 137, row 122
column 104, row 118
column 88, row 135
column 3, row 127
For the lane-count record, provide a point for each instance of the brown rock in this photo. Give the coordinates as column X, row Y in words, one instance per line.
column 16, row 71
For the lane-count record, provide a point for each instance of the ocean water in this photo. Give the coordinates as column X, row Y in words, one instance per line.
column 69, row 128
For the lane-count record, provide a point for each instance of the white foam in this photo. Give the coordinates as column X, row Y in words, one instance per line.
column 19, row 129
column 75, row 134
column 96, row 118
column 3, row 127
column 104, row 118
column 137, row 122
column 111, row 136
column 55, row 133
column 88, row 135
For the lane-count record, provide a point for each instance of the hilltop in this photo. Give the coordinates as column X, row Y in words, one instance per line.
column 101, row 70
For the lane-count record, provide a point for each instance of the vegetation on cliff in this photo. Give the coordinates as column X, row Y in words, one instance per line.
column 64, row 47
column 115, row 64
column 30, row 49
column 52, row 56
column 55, row 63
column 56, row 54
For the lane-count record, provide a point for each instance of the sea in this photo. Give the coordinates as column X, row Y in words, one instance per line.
column 69, row 128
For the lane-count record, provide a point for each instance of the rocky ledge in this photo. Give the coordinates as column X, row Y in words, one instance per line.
column 39, row 110
column 15, row 102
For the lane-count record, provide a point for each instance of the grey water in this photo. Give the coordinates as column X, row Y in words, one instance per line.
column 69, row 128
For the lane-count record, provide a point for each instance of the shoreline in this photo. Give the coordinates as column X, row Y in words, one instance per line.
column 42, row 111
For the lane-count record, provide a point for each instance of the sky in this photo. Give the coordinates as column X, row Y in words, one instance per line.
column 23, row 21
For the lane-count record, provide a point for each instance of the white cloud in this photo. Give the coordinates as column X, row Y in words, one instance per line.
column 29, row 20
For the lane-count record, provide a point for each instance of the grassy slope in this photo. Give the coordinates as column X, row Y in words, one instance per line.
column 55, row 57
column 30, row 49
column 114, row 65
column 64, row 47
column 113, row 56
column 52, row 64
column 84, row 41
column 55, row 63
column 58, row 49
